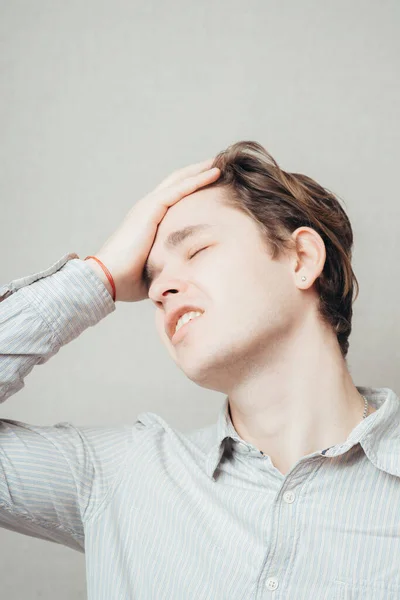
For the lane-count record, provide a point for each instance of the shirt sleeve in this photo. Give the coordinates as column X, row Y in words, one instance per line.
column 52, row 477
column 42, row 312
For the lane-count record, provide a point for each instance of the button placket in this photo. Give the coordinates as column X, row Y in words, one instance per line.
column 272, row 583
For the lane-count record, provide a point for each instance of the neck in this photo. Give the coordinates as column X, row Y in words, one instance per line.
column 304, row 402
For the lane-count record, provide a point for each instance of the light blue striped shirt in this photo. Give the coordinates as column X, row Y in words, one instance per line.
column 203, row 515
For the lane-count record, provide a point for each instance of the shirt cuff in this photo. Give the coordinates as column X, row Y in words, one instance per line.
column 69, row 296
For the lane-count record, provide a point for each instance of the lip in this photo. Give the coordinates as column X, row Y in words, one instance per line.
column 174, row 317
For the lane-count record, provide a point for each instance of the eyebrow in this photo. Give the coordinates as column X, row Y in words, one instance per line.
column 173, row 241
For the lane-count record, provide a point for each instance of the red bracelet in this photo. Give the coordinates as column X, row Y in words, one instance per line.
column 107, row 272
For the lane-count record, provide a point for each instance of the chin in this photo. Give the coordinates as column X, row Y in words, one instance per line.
column 210, row 373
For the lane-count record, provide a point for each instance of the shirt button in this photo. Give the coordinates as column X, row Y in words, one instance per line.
column 272, row 583
column 289, row 497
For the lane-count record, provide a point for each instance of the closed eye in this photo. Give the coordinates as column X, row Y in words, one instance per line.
column 198, row 252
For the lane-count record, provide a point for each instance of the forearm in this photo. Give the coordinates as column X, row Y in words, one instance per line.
column 37, row 319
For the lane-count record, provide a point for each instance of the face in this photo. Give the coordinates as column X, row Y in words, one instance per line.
column 251, row 302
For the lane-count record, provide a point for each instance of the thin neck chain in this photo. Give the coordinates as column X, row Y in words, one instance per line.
column 365, row 407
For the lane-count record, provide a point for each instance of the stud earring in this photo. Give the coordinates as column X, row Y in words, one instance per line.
column 303, row 278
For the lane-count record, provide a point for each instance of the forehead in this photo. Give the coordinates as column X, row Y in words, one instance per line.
column 199, row 205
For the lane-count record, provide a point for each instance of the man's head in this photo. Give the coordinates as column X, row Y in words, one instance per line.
column 266, row 230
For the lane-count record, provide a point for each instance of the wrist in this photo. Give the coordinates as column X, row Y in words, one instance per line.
column 96, row 268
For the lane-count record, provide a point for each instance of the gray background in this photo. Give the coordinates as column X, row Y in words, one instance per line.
column 101, row 100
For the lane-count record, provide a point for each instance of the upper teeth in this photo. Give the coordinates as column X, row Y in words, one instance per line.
column 186, row 318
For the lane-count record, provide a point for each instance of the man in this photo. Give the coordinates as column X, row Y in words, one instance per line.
column 292, row 493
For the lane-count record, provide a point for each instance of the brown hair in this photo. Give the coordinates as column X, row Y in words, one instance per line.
column 280, row 202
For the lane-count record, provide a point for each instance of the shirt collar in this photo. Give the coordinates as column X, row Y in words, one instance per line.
column 378, row 434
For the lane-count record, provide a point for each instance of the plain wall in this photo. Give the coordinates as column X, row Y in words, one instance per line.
column 101, row 100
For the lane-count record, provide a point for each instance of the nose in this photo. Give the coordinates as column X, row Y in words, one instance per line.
column 160, row 291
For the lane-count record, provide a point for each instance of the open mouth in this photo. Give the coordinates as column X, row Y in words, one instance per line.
column 183, row 329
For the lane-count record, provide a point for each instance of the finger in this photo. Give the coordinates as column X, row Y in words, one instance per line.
column 185, row 172
column 189, row 185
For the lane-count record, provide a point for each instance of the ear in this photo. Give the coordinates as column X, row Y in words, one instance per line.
column 309, row 258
